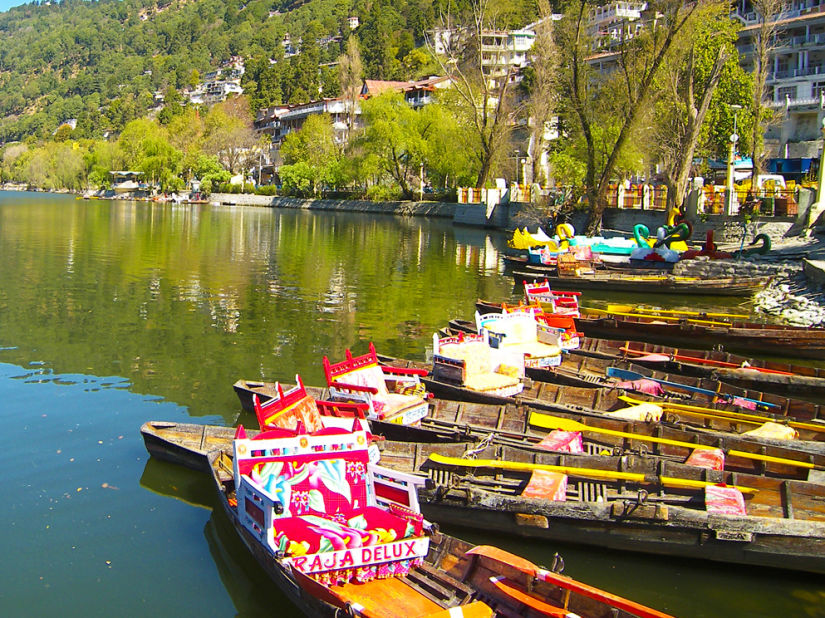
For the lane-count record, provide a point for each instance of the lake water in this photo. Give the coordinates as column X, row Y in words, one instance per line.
column 114, row 313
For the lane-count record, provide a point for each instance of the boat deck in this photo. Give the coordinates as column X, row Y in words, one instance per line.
column 389, row 597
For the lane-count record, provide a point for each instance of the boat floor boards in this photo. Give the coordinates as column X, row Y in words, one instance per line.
column 388, row 597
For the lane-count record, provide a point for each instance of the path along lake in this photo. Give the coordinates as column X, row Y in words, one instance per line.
column 115, row 313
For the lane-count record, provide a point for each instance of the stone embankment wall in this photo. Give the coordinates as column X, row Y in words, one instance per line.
column 792, row 296
column 509, row 216
column 428, row 209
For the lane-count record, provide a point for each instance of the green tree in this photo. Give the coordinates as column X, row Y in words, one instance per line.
column 229, row 135
column 628, row 90
column 350, row 71
column 482, row 87
column 311, row 156
column 687, row 88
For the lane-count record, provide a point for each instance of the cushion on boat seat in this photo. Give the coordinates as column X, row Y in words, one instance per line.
column 408, row 391
column 647, row 412
column 724, row 500
column 642, row 385
column 288, row 409
column 478, row 375
column 311, row 534
column 546, row 485
column 772, row 430
column 562, row 441
column 713, row 458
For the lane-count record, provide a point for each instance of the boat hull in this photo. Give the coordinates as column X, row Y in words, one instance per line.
column 648, row 285
column 770, row 550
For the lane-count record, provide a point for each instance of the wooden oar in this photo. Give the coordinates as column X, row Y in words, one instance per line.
column 547, row 421
column 735, row 416
column 636, row 309
column 626, row 374
column 658, row 317
column 591, row 473
column 704, row 361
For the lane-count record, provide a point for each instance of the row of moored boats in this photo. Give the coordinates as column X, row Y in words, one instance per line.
column 523, row 422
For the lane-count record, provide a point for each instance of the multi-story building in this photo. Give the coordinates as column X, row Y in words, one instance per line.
column 796, row 78
column 612, row 23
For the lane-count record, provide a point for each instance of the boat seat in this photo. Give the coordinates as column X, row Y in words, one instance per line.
column 286, row 410
column 367, row 526
column 521, row 332
column 393, row 394
column 322, row 487
column 469, row 361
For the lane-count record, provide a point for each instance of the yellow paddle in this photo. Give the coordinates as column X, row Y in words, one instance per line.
column 737, row 416
column 657, row 317
column 591, row 473
column 546, row 421
column 636, row 309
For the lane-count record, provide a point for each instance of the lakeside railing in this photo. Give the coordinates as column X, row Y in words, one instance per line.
column 771, row 200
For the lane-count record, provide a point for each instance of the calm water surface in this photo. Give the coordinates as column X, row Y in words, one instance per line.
column 114, row 313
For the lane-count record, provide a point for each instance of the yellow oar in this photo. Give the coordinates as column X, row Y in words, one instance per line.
column 657, row 317
column 737, row 416
column 546, row 421
column 591, row 473
column 636, row 309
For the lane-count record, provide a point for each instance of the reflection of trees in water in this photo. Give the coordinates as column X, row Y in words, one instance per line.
column 182, row 300
column 251, row 590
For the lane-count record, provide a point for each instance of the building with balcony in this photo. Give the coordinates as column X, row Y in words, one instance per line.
column 612, row 23
column 796, row 80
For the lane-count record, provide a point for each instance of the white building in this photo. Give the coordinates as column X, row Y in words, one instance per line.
column 219, row 84
column 796, row 80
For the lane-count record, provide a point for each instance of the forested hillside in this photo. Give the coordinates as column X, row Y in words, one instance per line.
column 101, row 62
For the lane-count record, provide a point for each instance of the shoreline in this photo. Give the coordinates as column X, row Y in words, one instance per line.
column 796, row 296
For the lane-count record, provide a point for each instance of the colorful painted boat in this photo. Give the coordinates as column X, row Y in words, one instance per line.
column 423, row 573
column 601, row 501
column 629, row 427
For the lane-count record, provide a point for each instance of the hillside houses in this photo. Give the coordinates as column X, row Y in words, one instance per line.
column 217, row 85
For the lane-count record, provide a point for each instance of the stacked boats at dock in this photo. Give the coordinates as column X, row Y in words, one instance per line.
column 525, row 423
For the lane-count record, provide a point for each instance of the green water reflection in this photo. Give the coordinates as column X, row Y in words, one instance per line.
column 115, row 313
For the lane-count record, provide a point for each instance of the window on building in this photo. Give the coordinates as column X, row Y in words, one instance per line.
column 786, row 91
column 817, row 88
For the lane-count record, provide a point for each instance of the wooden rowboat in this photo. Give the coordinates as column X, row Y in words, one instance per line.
column 711, row 405
column 682, row 432
column 783, row 524
column 765, row 375
column 775, row 376
column 607, row 504
column 454, row 578
column 654, row 283
column 750, row 337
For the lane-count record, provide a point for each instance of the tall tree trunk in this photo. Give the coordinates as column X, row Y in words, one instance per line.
column 695, row 120
column 637, row 96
